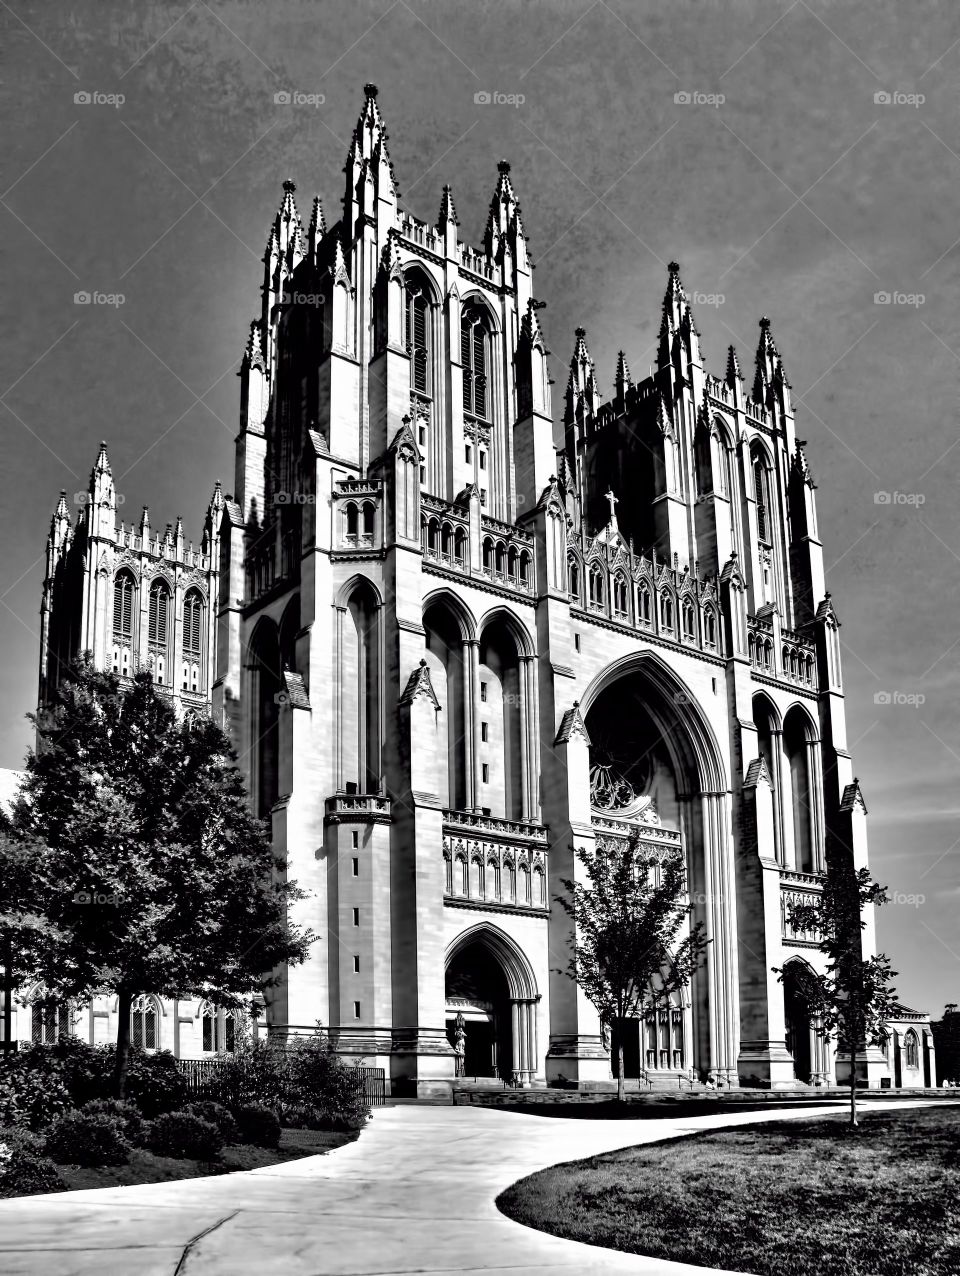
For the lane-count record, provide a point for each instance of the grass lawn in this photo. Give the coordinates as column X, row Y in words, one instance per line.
column 809, row 1198
column 144, row 1167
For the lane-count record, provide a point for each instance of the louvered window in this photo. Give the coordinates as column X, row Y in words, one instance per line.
column 192, row 624
column 123, row 589
column 416, row 340
column 473, row 357
column 159, row 610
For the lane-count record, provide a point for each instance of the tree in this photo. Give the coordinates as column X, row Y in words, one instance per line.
column 626, row 950
column 854, row 998
column 136, row 863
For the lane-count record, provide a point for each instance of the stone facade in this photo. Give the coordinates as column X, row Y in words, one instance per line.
column 449, row 654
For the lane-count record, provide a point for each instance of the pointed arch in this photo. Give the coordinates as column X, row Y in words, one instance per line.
column 521, row 980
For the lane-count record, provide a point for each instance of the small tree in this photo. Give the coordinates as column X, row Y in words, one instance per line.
column 854, row 998
column 147, row 872
column 628, row 915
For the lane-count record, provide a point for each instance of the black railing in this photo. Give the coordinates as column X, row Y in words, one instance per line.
column 201, row 1077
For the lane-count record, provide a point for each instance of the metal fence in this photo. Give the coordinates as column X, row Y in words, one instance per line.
column 201, row 1077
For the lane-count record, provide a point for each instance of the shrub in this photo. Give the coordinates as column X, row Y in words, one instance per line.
column 255, row 1074
column 217, row 1115
column 33, row 1091
column 126, row 1114
column 24, row 1170
column 186, row 1136
column 87, row 1138
column 259, row 1124
column 317, row 1080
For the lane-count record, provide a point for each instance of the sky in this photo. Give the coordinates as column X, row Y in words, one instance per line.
column 799, row 159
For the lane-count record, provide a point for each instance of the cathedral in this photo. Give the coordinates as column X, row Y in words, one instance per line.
column 451, row 654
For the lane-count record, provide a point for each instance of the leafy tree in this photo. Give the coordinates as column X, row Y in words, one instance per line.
column 626, row 950
column 135, row 864
column 854, row 998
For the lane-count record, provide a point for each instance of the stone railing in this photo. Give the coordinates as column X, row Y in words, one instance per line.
column 444, row 533
column 719, row 390
column 358, row 514
column 760, row 645
column 418, row 232
column 357, row 808
column 651, row 837
column 506, row 555
column 492, row 862
column 799, row 659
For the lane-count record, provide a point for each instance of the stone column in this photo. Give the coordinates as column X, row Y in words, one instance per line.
column 471, row 701
column 776, row 754
column 523, row 688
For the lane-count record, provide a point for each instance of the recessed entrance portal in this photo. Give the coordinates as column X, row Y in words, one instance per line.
column 491, row 1003
column 804, row 1039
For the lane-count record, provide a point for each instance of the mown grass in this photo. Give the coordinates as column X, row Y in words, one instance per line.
column 808, row 1198
column 145, row 1167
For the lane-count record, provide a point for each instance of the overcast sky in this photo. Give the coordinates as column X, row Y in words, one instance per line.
column 783, row 186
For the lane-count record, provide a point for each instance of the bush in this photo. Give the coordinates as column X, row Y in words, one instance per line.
column 255, row 1074
column 318, row 1081
column 259, row 1124
column 217, row 1115
column 87, row 1138
column 33, row 1091
column 24, row 1170
column 186, row 1136
column 126, row 1114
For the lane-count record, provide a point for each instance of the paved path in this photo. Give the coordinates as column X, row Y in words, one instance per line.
column 415, row 1193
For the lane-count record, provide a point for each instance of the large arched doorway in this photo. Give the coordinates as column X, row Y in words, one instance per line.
column 491, row 1001
column 657, row 775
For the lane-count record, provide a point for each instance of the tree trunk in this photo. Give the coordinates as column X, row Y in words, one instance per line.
column 620, row 1085
column 124, row 1005
column 853, row 1087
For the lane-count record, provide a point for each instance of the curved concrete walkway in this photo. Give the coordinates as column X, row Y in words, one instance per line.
column 415, row 1193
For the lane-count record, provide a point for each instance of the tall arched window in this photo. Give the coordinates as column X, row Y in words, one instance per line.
column 761, row 491
column 596, row 586
column 124, row 610
column 218, row 1028
column 145, row 1024
column 573, row 577
column 620, row 597
column 49, row 1020
column 643, row 605
column 192, row 641
column 474, row 357
column 912, row 1049
column 417, row 336
column 800, row 744
column 159, row 630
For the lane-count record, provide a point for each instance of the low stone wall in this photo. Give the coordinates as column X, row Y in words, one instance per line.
column 485, row 1097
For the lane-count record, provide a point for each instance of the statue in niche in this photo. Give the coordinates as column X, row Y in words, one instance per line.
column 460, row 1043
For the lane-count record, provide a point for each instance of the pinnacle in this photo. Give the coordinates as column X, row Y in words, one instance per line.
column 370, row 90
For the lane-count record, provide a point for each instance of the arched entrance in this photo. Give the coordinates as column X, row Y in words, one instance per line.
column 805, row 1040
column 491, row 1001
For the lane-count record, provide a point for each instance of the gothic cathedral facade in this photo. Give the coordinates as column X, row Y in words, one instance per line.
column 450, row 653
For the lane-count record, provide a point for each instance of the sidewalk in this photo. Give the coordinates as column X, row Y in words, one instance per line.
column 415, row 1193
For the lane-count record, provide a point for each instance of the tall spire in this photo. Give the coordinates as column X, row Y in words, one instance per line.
column 369, row 146
column 622, row 380
column 253, row 353
column 582, row 389
column 733, row 368
column 768, row 356
column 504, row 222
column 448, row 212
column 318, row 224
